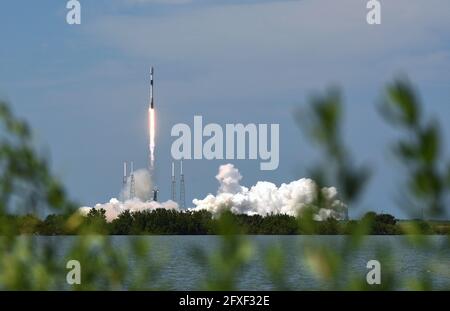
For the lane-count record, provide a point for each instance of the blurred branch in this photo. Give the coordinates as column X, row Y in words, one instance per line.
column 420, row 150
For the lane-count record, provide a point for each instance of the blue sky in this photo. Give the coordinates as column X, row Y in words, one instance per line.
column 84, row 88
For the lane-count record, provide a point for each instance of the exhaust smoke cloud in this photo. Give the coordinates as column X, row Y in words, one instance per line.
column 263, row 199
column 266, row 198
column 143, row 186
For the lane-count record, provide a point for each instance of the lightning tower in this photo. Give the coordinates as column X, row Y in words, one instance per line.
column 173, row 185
column 182, row 187
column 124, row 180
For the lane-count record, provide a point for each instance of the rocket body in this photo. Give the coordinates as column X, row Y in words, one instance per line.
column 151, row 88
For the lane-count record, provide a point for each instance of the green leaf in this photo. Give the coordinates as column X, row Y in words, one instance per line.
column 448, row 176
column 402, row 105
column 326, row 112
column 405, row 150
column 430, row 143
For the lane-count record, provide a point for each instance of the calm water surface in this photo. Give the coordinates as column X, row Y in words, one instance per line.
column 182, row 271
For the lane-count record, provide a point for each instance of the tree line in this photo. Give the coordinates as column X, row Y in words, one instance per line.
column 172, row 222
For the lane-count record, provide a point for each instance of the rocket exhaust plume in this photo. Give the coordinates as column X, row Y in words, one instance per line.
column 151, row 125
column 151, row 129
column 266, row 198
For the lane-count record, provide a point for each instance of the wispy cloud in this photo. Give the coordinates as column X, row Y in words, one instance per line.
column 309, row 41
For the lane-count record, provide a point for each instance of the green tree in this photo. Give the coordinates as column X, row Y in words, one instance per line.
column 122, row 224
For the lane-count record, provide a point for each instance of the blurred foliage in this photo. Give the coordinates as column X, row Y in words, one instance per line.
column 27, row 187
column 427, row 183
column 225, row 264
column 28, row 190
column 322, row 122
column 420, row 151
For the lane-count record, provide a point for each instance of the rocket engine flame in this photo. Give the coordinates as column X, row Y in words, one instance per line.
column 151, row 126
column 151, row 129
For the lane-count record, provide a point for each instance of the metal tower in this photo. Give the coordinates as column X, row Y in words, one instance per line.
column 173, row 185
column 132, row 190
column 124, row 180
column 182, row 187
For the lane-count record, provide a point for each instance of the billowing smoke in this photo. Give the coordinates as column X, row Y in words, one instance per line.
column 143, row 186
column 266, row 198
column 263, row 199
column 115, row 207
column 143, row 192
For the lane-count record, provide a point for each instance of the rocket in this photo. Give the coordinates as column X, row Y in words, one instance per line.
column 151, row 88
column 151, row 124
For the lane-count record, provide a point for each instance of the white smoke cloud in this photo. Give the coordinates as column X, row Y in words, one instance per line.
column 263, row 199
column 266, row 198
column 143, row 186
column 115, row 207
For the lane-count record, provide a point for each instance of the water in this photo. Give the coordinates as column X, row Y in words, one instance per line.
column 181, row 269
